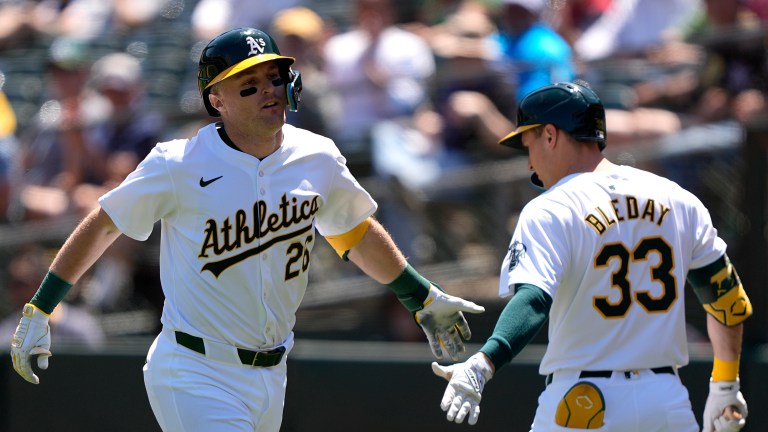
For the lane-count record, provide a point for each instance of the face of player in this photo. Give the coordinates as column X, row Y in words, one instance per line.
column 538, row 142
column 254, row 98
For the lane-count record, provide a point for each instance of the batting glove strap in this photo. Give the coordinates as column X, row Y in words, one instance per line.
column 411, row 289
column 31, row 338
column 444, row 324
column 466, row 382
column 723, row 394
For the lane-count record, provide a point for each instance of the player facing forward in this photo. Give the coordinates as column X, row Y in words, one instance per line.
column 604, row 253
column 238, row 205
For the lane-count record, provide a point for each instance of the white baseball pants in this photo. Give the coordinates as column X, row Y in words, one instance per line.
column 637, row 401
column 189, row 392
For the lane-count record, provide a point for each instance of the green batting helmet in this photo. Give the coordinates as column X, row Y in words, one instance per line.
column 571, row 107
column 237, row 50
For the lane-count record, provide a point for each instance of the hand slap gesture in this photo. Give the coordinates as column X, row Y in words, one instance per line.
column 466, row 382
column 443, row 322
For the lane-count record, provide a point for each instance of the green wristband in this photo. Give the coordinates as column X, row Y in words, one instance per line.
column 411, row 288
column 51, row 292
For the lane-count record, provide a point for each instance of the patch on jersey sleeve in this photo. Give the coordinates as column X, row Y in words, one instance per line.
column 582, row 407
column 343, row 243
column 719, row 289
column 516, row 252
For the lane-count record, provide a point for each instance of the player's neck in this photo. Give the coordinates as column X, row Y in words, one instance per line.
column 604, row 165
column 256, row 145
column 583, row 158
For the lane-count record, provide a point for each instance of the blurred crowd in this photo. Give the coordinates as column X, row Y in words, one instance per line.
column 410, row 91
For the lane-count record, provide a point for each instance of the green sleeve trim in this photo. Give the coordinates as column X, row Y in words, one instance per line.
column 700, row 280
column 411, row 288
column 520, row 321
column 52, row 291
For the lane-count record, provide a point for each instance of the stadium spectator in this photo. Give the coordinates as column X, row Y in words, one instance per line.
column 471, row 103
column 210, row 18
column 8, row 149
column 730, row 83
column 629, row 28
column 571, row 18
column 53, row 157
column 25, row 22
column 126, row 135
column 116, row 145
column 301, row 33
column 537, row 54
column 378, row 71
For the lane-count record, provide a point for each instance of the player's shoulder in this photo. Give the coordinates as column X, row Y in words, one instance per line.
column 651, row 182
column 642, row 183
column 172, row 145
column 178, row 147
column 303, row 142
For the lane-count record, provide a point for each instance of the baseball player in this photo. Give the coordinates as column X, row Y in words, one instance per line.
column 604, row 253
column 238, row 205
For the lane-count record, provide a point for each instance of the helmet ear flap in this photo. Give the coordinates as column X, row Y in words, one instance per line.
column 293, row 89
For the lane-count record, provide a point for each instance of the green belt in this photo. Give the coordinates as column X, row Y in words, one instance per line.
column 247, row 357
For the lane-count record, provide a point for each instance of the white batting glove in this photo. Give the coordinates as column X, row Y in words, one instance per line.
column 723, row 394
column 32, row 338
column 724, row 424
column 465, row 387
column 444, row 324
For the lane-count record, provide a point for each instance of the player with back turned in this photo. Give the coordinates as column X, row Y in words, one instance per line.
column 239, row 205
column 604, row 253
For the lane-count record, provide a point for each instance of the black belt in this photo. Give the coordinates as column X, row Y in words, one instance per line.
column 247, row 357
column 608, row 373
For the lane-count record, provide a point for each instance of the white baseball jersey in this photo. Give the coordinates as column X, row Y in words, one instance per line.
column 612, row 249
column 237, row 232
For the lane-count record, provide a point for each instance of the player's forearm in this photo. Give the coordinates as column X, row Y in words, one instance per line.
column 521, row 319
column 726, row 341
column 377, row 255
column 86, row 244
column 726, row 346
column 494, row 126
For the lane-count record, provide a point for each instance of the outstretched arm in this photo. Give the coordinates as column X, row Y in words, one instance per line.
column 440, row 315
column 521, row 319
column 377, row 255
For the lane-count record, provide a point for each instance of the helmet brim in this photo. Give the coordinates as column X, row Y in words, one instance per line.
column 514, row 139
column 248, row 63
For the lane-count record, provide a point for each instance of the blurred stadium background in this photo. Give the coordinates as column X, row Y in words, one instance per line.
column 359, row 362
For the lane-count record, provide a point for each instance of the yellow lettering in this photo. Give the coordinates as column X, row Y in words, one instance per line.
column 595, row 222
column 607, row 220
column 615, row 206
column 632, row 208
column 649, row 210
column 664, row 211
